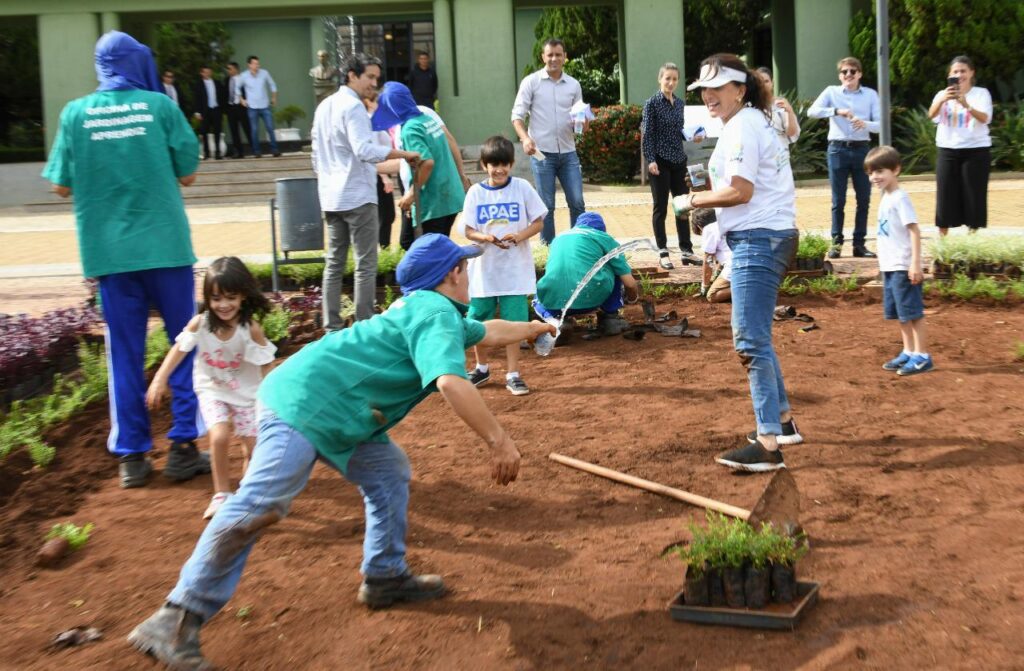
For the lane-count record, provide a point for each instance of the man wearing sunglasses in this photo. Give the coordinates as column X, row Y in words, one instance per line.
column 853, row 113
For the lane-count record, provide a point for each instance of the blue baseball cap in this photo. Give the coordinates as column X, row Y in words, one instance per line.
column 591, row 220
column 429, row 259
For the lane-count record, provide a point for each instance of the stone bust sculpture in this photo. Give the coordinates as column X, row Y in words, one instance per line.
column 324, row 76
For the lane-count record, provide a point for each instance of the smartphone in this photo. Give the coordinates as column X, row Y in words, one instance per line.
column 953, row 81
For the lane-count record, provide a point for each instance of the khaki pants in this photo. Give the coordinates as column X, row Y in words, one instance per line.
column 720, row 290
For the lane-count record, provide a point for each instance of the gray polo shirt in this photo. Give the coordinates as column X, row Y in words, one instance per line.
column 547, row 102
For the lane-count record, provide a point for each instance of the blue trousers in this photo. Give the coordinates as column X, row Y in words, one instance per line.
column 760, row 258
column 844, row 164
column 268, row 122
column 126, row 299
column 566, row 167
column 281, row 464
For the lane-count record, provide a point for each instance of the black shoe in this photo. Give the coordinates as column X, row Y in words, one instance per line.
column 479, row 377
column 790, row 434
column 862, row 252
column 185, row 461
column 611, row 325
column 257, row 155
column 218, row 157
column 276, row 154
column 172, row 635
column 835, row 251
column 134, row 470
column 382, row 592
column 753, row 457
column 688, row 258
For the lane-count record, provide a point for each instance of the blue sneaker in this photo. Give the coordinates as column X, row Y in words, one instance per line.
column 919, row 363
column 897, row 363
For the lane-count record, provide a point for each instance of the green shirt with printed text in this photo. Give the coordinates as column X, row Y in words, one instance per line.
column 572, row 255
column 443, row 193
column 121, row 153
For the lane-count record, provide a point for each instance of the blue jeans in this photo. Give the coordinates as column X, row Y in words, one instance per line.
column 567, row 168
column 281, row 463
column 760, row 258
column 844, row 163
column 268, row 123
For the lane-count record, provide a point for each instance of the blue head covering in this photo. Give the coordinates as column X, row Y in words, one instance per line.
column 591, row 220
column 395, row 106
column 124, row 63
column 429, row 259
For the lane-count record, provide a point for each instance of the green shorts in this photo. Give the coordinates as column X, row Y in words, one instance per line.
column 509, row 308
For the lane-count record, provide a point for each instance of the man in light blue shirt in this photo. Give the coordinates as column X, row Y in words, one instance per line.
column 255, row 97
column 853, row 113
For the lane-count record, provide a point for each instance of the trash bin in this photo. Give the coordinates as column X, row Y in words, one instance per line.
column 301, row 227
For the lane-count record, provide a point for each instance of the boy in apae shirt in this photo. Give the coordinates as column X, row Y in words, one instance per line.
column 899, row 259
column 501, row 213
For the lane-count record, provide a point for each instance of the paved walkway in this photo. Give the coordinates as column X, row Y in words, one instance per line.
column 39, row 267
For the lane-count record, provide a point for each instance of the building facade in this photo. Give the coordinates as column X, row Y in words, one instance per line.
column 479, row 47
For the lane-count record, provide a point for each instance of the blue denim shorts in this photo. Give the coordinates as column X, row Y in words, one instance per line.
column 901, row 299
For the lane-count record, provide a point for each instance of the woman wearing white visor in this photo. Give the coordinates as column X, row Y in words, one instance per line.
column 752, row 192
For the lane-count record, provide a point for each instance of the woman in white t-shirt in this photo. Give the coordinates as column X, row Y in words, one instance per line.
column 784, row 120
column 962, row 113
column 753, row 195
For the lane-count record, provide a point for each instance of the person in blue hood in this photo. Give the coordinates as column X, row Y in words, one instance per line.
column 121, row 152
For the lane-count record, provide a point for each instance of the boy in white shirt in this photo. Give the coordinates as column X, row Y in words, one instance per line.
column 899, row 259
column 716, row 251
column 501, row 213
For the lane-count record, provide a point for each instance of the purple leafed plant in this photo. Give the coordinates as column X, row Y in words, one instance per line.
column 32, row 345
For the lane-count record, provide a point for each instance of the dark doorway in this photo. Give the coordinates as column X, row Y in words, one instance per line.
column 394, row 43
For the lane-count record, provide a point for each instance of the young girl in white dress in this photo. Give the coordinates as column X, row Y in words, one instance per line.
column 231, row 355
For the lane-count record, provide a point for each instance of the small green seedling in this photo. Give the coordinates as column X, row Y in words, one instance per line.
column 75, row 536
column 1019, row 351
column 244, row 612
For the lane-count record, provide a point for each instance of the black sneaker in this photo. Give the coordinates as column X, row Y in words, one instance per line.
column 517, row 386
column 185, row 461
column 134, row 470
column 864, row 253
column 172, row 635
column 383, row 592
column 835, row 251
column 479, row 377
column 790, row 434
column 753, row 457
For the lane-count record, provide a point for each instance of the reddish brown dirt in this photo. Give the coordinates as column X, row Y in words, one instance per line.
column 913, row 493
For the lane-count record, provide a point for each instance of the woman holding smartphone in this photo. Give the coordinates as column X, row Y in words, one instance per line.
column 962, row 113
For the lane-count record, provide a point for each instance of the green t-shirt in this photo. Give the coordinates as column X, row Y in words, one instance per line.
column 121, row 153
column 443, row 193
column 351, row 386
column 572, row 254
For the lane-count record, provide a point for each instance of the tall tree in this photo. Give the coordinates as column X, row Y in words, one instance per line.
column 591, row 37
column 924, row 35
column 21, row 104
column 716, row 26
column 187, row 46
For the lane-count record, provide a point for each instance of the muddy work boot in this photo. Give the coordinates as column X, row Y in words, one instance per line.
column 172, row 635
column 383, row 592
column 611, row 325
column 185, row 462
column 134, row 470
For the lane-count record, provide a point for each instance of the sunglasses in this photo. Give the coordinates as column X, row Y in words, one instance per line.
column 850, row 71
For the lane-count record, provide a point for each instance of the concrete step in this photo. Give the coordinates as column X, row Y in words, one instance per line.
column 267, row 162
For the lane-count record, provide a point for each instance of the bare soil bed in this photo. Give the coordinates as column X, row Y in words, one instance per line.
column 913, row 494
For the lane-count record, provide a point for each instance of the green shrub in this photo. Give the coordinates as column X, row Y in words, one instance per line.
column 1007, row 132
column 725, row 542
column 1018, row 351
column 275, row 324
column 610, row 149
column 812, row 246
column 76, row 536
column 914, row 135
column 807, row 157
column 540, row 256
column 157, row 346
column 961, row 251
column 286, row 116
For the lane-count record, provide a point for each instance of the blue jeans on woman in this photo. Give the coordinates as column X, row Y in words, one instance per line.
column 281, row 463
column 268, row 122
column 845, row 163
column 760, row 258
column 567, row 168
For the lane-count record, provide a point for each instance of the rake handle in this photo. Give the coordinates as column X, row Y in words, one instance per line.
column 657, row 488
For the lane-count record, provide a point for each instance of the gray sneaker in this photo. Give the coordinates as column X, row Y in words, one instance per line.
column 134, row 470
column 185, row 461
column 172, row 635
column 383, row 592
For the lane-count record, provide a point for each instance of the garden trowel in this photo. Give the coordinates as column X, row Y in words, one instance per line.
column 779, row 503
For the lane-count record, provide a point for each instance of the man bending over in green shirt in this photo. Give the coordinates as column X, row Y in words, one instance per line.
column 335, row 400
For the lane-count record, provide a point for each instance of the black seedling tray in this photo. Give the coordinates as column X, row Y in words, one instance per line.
column 773, row 616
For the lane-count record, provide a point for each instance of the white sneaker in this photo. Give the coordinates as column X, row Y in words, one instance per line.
column 215, row 503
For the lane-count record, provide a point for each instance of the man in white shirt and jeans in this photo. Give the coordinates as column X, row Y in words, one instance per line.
column 547, row 96
column 345, row 150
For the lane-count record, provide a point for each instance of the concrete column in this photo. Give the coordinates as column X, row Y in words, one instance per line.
column 67, row 43
column 823, row 27
column 109, row 21
column 783, row 46
column 476, row 66
column 653, row 35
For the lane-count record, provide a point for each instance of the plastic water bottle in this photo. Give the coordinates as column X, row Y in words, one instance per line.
column 577, row 124
column 544, row 343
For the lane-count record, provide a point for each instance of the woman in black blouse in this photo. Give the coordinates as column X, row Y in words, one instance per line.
column 662, row 139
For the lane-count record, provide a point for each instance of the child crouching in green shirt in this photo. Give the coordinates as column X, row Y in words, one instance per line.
column 335, row 400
